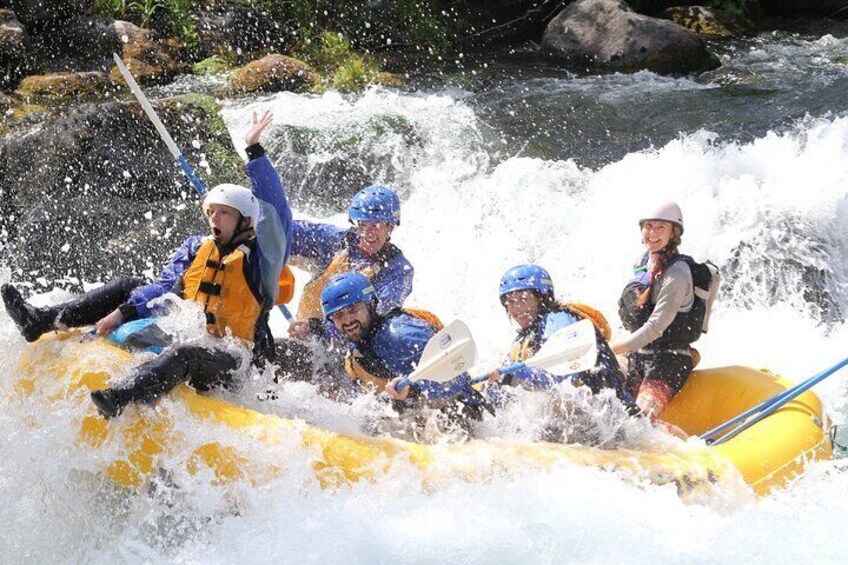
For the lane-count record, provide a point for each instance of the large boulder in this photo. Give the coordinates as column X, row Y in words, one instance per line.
column 94, row 193
column 151, row 60
column 607, row 35
column 273, row 73
column 80, row 43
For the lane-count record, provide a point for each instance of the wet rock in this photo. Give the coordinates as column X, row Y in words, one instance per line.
column 273, row 73
column 36, row 13
column 80, row 43
column 707, row 21
column 230, row 26
column 149, row 59
column 14, row 43
column 100, row 175
column 65, row 85
column 607, row 35
column 783, row 263
column 324, row 168
column 13, row 36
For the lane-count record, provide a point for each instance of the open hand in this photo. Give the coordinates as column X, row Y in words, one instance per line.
column 259, row 124
column 110, row 322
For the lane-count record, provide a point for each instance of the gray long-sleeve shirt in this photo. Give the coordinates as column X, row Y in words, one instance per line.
column 672, row 292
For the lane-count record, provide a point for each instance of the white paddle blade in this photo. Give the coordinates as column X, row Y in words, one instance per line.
column 447, row 354
column 570, row 350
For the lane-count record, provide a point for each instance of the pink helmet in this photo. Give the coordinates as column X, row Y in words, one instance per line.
column 668, row 211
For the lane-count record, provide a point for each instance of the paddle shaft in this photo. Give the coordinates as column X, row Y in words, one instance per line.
column 160, row 127
column 505, row 370
column 778, row 402
column 169, row 142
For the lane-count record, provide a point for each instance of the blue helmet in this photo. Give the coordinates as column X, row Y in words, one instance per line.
column 526, row 277
column 376, row 203
column 344, row 290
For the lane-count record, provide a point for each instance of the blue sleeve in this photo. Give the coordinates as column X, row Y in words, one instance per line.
column 393, row 284
column 538, row 378
column 315, row 241
column 167, row 279
column 453, row 388
column 268, row 187
column 400, row 342
column 273, row 231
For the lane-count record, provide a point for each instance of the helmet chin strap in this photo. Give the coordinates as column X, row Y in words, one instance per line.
column 236, row 238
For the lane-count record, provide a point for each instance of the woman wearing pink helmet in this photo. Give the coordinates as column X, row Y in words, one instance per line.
column 663, row 312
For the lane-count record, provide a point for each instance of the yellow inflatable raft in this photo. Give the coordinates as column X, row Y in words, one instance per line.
column 58, row 372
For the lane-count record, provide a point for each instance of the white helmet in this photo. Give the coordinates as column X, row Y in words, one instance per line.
column 668, row 211
column 234, row 196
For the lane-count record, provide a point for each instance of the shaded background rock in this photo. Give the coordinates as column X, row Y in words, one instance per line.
column 324, row 168
column 608, row 35
column 14, row 44
column 783, row 263
column 99, row 175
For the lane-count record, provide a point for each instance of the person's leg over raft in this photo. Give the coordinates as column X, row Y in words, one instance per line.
column 235, row 274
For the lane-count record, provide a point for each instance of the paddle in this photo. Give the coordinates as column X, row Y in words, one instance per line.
column 160, row 127
column 569, row 350
column 448, row 353
column 767, row 407
column 169, row 142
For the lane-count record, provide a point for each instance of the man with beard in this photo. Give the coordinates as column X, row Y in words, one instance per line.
column 382, row 348
column 365, row 248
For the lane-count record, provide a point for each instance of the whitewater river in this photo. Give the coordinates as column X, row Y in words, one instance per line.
column 497, row 168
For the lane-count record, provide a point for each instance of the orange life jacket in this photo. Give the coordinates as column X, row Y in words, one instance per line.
column 525, row 347
column 310, row 300
column 376, row 377
column 220, row 286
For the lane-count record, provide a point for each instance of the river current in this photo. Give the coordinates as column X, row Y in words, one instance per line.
column 498, row 167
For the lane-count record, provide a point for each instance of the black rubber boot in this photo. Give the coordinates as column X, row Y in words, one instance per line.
column 106, row 403
column 32, row 321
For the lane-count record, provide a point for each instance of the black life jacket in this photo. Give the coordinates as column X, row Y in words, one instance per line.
column 687, row 327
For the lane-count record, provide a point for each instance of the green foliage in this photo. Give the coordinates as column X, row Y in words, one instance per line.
column 212, row 65
column 146, row 9
column 182, row 22
column 111, row 8
column 338, row 64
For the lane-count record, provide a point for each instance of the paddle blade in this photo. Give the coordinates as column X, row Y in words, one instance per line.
column 570, row 350
column 446, row 355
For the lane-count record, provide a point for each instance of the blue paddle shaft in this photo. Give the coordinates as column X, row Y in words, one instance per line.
column 286, row 312
column 777, row 402
column 506, row 369
column 189, row 172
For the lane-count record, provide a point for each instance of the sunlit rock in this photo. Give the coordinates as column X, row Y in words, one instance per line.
column 273, row 73
column 65, row 85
